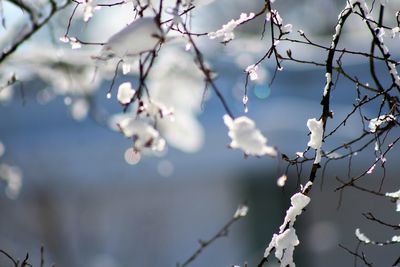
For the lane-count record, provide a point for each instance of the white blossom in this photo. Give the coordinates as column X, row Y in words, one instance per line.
column 125, row 93
column 376, row 122
column 226, row 32
column 247, row 137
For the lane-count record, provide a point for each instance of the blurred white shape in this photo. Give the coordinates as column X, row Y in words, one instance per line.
column 131, row 156
column 252, row 71
column 140, row 36
column 6, row 93
column 317, row 132
column 281, row 180
column 125, row 93
column 79, row 109
column 144, row 135
column 316, row 129
column 165, row 168
column 396, row 196
column 226, row 32
column 197, row 3
column 67, row 100
column 67, row 72
column 44, row 96
column 241, row 211
column 324, row 236
column 179, row 86
column 2, row 149
column 247, row 137
column 12, row 176
column 104, row 260
column 126, row 68
column 362, row 237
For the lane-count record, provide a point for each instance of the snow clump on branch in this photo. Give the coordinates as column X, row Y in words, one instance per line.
column 142, row 35
column 227, row 29
column 247, row 137
column 376, row 122
column 317, row 131
column 286, row 240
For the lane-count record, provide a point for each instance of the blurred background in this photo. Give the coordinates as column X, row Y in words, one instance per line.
column 90, row 204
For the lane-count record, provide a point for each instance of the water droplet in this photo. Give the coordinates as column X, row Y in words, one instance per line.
column 108, row 95
column 246, row 109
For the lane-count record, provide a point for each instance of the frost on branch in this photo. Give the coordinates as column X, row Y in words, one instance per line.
column 247, row 137
column 286, row 240
column 142, row 35
column 226, row 32
column 317, row 131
